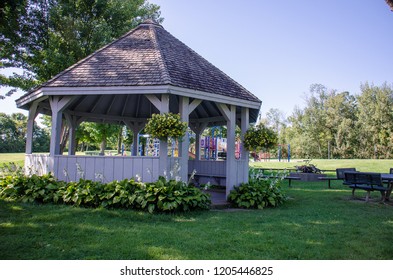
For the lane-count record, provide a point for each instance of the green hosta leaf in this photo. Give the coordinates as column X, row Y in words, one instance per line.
column 151, row 208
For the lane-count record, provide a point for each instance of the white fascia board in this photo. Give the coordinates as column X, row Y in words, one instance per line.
column 50, row 91
column 159, row 89
column 214, row 97
column 106, row 90
column 20, row 102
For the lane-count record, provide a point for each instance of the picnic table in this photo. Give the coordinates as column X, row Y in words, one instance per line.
column 388, row 178
column 369, row 181
column 339, row 175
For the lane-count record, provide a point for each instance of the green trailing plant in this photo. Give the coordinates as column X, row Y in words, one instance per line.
column 259, row 137
column 166, row 125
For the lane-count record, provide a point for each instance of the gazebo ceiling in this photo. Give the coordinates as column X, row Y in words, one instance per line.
column 110, row 85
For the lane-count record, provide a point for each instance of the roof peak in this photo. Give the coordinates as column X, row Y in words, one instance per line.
column 150, row 22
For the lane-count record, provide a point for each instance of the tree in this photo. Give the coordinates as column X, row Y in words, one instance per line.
column 390, row 3
column 44, row 37
column 101, row 133
column 13, row 134
column 375, row 121
column 340, row 124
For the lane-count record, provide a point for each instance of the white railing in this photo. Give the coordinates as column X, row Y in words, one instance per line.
column 97, row 168
column 110, row 168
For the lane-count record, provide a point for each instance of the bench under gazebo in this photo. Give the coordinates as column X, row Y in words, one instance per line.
column 146, row 71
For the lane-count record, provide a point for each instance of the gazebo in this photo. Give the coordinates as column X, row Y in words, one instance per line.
column 145, row 71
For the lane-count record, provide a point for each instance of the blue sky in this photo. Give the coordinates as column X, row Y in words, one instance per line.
column 277, row 49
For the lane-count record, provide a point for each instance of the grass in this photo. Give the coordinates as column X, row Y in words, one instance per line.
column 371, row 165
column 316, row 223
column 17, row 158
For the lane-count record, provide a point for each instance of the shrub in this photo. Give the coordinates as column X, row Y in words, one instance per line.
column 171, row 196
column 257, row 194
column 32, row 188
column 160, row 196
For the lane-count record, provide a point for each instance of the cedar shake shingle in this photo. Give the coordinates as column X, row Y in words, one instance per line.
column 146, row 56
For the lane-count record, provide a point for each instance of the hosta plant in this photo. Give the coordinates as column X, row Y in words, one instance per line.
column 257, row 194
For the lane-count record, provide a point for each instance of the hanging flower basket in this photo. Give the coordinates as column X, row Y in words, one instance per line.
column 166, row 125
column 259, row 137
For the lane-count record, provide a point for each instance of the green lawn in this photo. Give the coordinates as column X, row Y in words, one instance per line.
column 371, row 165
column 17, row 158
column 315, row 223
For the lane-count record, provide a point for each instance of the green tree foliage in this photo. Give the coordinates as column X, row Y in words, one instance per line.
column 390, row 3
column 101, row 133
column 13, row 134
column 44, row 37
column 375, row 121
column 341, row 125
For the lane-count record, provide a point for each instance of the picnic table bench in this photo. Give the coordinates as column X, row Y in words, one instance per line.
column 339, row 175
column 367, row 181
column 289, row 178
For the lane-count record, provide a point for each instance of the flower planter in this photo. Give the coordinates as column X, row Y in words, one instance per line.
column 307, row 177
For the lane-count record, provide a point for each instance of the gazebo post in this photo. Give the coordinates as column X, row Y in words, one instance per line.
column 198, row 128
column 185, row 142
column 244, row 123
column 136, row 127
column 229, row 112
column 57, row 105
column 73, row 122
column 163, row 106
column 30, row 127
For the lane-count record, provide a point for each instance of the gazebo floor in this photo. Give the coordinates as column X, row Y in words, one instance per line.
column 218, row 199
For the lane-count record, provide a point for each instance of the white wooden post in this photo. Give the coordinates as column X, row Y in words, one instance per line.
column 163, row 106
column 73, row 122
column 57, row 105
column 185, row 111
column 230, row 115
column 245, row 123
column 30, row 127
column 136, row 127
column 185, row 143
column 198, row 128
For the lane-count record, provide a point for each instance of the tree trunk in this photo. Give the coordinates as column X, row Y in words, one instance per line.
column 102, row 147
column 119, row 139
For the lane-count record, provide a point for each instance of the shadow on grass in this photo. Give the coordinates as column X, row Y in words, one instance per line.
column 318, row 224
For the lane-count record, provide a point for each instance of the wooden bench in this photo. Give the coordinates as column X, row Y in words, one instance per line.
column 339, row 175
column 367, row 181
column 217, row 178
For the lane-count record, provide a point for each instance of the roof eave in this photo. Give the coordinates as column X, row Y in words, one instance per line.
column 149, row 89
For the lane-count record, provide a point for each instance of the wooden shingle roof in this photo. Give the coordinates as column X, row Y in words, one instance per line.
column 148, row 56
